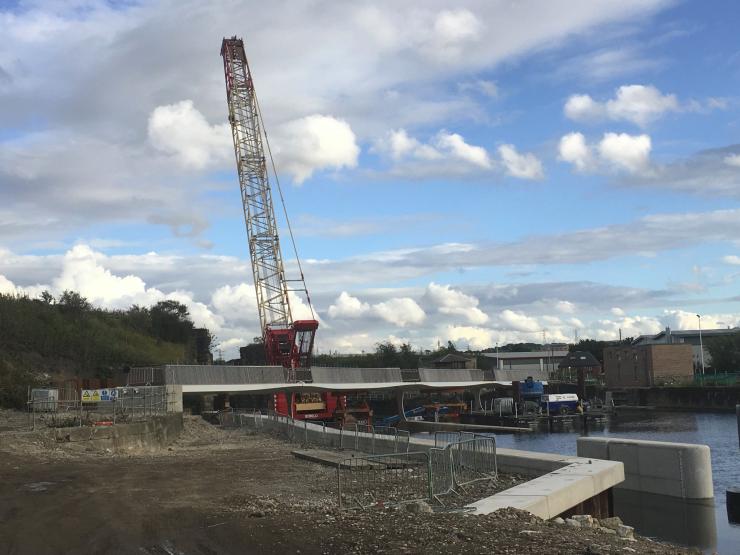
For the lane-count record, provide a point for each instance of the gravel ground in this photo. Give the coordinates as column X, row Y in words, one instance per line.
column 224, row 491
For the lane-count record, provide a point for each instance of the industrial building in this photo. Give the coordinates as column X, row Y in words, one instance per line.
column 695, row 338
column 648, row 365
column 519, row 366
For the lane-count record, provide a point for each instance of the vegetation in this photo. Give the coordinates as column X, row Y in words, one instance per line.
column 596, row 347
column 725, row 352
column 46, row 339
column 386, row 355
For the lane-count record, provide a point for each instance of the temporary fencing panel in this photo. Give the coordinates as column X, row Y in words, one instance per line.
column 474, row 460
column 383, row 479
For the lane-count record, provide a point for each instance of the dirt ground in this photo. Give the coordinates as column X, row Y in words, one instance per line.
column 222, row 491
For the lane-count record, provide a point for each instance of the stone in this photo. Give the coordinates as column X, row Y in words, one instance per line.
column 573, row 523
column 586, row 521
column 558, row 520
column 627, row 532
column 419, row 507
column 608, row 531
column 613, row 522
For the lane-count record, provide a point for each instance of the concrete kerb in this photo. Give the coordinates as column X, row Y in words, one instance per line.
column 562, row 482
column 681, row 470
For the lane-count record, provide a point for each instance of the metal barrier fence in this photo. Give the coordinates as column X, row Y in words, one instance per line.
column 473, row 460
column 332, row 435
column 384, row 479
column 127, row 405
column 441, row 439
column 396, row 476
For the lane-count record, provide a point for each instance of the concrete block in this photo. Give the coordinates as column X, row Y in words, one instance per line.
column 605, row 474
column 593, row 448
column 681, row 470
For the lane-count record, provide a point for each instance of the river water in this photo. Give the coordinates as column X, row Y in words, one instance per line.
column 702, row 525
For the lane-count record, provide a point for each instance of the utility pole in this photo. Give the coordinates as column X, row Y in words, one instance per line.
column 701, row 347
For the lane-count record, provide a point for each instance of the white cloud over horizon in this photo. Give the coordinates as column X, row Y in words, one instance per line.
column 351, row 324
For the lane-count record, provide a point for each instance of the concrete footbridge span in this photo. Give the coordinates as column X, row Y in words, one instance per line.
column 257, row 380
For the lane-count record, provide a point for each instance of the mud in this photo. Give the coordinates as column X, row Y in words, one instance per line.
column 219, row 491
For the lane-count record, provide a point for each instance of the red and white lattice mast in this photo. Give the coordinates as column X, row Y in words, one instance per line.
column 287, row 342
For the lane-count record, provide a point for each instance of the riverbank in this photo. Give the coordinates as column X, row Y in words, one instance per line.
column 225, row 491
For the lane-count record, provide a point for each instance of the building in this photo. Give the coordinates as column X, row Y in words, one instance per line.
column 455, row 361
column 519, row 366
column 690, row 337
column 580, row 363
column 648, row 365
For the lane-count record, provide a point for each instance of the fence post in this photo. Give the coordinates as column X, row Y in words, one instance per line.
column 372, row 440
column 430, row 477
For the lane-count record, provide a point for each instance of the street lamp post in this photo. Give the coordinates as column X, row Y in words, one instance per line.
column 701, row 346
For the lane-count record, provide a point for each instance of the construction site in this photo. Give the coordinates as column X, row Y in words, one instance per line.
column 288, row 457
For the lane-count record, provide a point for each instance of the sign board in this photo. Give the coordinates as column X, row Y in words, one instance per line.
column 98, row 395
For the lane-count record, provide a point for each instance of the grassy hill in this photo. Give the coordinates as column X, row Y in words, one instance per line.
column 46, row 339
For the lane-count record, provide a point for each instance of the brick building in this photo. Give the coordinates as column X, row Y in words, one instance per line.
column 648, row 365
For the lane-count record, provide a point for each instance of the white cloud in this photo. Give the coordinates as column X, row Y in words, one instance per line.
column 733, row 160
column 444, row 153
column 683, row 320
column 473, row 336
column 630, row 326
column 452, row 31
column 627, row 152
column 400, row 145
column 581, row 107
column 519, row 321
column 7, row 287
column 400, row 311
column 565, row 307
column 313, row 143
column 731, row 259
column 82, row 272
column 181, row 130
column 573, row 148
column 455, row 145
column 347, row 306
column 523, row 166
column 236, row 303
column 451, row 301
column 300, row 309
column 480, row 86
column 639, row 104
column 616, row 311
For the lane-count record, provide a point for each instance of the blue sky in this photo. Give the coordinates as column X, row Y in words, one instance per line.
column 471, row 171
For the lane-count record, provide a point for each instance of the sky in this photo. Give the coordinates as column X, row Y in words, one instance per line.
column 481, row 172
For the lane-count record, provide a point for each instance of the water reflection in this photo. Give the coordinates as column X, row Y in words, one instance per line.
column 676, row 520
column 689, row 523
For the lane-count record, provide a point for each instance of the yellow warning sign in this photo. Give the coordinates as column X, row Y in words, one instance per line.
column 95, row 395
column 86, row 396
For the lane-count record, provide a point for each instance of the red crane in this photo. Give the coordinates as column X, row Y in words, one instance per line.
column 288, row 343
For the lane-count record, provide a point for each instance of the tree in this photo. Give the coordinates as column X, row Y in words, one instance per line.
column 725, row 352
column 387, row 354
column 407, row 357
column 171, row 321
column 254, row 353
column 72, row 301
column 47, row 297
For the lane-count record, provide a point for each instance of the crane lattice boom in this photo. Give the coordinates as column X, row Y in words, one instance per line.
column 286, row 342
